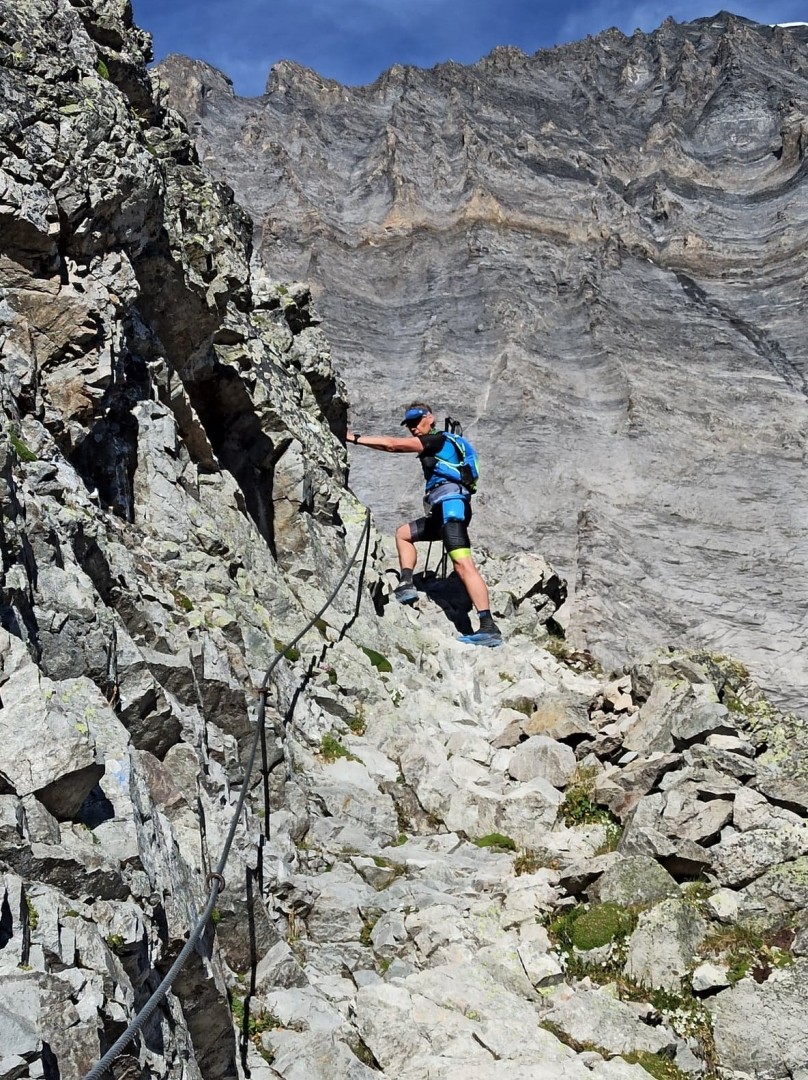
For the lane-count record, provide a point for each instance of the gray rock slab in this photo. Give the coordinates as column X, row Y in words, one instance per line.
column 541, row 967
column 651, row 732
column 780, row 890
column 762, row 1029
column 564, row 718
column 597, row 1019
column 745, row 856
column 511, row 735
column 681, row 858
column 457, row 1021
column 577, row 876
column 304, row 1007
column 349, row 793
column 20, row 1035
column 708, row 977
column 521, row 813
column 541, row 756
column 688, row 817
column 336, row 915
column 723, row 905
column 752, row 810
column 634, row 879
column 696, row 724
column 313, row 1056
column 663, row 945
column 621, row 788
column 787, row 791
column 734, row 763
column 47, row 746
column 279, row 968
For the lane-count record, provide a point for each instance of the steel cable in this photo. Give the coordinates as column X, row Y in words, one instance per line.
column 215, row 879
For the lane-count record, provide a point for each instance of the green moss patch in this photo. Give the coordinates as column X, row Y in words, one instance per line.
column 588, row 928
column 257, row 1023
column 497, row 841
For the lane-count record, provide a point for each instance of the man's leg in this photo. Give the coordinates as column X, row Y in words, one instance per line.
column 407, row 536
column 456, row 516
column 407, row 555
column 472, row 579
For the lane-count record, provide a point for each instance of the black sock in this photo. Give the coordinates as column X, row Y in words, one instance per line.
column 406, row 577
column 487, row 624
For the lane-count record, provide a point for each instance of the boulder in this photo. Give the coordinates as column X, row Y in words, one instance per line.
column 595, row 1018
column 741, row 858
column 635, row 879
column 752, row 810
column 708, row 977
column 621, row 788
column 565, row 719
column 663, row 945
column 47, row 746
column 541, row 756
column 761, row 1029
column 309, row 1055
column 522, row 814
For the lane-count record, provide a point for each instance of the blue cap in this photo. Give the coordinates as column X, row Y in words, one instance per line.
column 412, row 416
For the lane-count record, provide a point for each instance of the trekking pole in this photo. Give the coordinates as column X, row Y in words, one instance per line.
column 444, row 562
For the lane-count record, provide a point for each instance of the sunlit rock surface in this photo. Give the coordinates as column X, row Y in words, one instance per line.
column 447, row 861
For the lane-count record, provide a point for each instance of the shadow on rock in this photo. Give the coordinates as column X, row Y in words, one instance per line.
column 450, row 595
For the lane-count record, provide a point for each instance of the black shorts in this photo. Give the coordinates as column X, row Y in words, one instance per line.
column 448, row 522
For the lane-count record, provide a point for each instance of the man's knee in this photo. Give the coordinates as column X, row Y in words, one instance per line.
column 404, row 532
column 462, row 560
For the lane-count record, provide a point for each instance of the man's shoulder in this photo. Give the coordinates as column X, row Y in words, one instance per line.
column 433, row 442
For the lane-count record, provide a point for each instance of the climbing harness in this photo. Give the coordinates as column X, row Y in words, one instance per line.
column 215, row 880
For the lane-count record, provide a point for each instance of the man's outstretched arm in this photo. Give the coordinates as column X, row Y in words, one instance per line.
column 407, row 444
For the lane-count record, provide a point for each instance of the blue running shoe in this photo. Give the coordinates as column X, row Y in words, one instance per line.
column 482, row 637
column 406, row 594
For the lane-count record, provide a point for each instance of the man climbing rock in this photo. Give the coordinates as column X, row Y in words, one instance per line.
column 447, row 500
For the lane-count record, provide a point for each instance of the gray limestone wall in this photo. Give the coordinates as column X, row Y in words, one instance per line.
column 594, row 257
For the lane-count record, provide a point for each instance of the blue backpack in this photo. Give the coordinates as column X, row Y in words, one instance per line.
column 465, row 469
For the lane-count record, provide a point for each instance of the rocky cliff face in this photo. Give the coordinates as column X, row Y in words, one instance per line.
column 594, row 256
column 450, row 862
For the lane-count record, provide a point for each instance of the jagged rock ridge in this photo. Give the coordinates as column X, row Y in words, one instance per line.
column 448, row 851
column 594, row 256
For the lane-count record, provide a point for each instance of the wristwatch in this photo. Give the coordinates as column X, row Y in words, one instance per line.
column 357, row 435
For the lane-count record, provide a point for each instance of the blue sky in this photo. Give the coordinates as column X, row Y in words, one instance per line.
column 354, row 41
